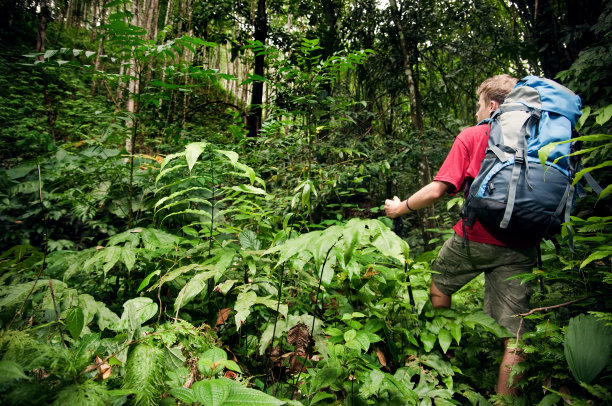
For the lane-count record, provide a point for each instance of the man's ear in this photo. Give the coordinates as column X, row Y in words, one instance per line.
column 493, row 105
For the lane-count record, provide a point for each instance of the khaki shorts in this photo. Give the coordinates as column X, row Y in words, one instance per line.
column 503, row 298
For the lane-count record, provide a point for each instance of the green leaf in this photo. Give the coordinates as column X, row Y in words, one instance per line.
column 545, row 151
column 209, row 362
column 438, row 363
column 319, row 396
column 408, row 394
column 604, row 114
column 349, row 335
column 550, row 400
column 193, row 288
column 244, row 301
column 17, row 293
column 146, row 280
column 111, row 256
column 249, row 189
column 607, row 191
column 485, row 321
column 445, row 339
column 193, row 152
column 75, row 320
column 231, row 155
column 350, row 238
column 248, row 240
column 455, row 330
column 225, row 287
column 213, row 393
column 128, row 257
column 136, row 312
column 600, row 253
column 587, row 346
column 429, row 340
column 586, row 112
column 11, row 370
column 106, row 318
column 231, row 365
column 241, row 396
column 19, row 171
column 581, row 173
column 372, row 383
column 184, row 395
column 388, row 243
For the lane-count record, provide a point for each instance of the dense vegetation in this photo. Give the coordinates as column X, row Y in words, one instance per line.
column 191, row 196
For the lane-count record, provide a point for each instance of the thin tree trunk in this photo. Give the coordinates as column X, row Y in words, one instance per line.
column 426, row 215
column 42, row 18
column 134, row 83
column 261, row 33
column 102, row 17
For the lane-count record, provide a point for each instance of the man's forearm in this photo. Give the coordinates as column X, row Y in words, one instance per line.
column 427, row 195
column 424, row 197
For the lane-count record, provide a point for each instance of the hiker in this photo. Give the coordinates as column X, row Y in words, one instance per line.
column 465, row 256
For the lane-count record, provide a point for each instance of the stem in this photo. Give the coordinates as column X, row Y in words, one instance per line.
column 131, row 185
column 212, row 205
column 57, row 317
column 542, row 309
column 314, row 313
column 45, row 251
column 280, row 290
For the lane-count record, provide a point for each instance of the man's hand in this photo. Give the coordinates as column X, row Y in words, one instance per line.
column 394, row 208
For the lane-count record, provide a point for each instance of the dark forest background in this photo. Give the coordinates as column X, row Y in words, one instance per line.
column 191, row 202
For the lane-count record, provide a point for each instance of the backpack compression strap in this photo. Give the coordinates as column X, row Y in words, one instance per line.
column 520, row 160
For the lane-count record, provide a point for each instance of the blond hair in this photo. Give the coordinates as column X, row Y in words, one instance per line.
column 496, row 88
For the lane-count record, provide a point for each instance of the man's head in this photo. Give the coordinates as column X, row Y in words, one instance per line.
column 491, row 93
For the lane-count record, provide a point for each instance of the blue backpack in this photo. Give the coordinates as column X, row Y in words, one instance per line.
column 514, row 196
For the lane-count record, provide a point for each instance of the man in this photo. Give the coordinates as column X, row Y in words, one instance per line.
column 462, row 259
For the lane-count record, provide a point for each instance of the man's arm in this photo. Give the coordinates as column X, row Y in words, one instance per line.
column 426, row 196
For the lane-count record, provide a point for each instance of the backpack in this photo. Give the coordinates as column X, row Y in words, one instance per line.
column 514, row 196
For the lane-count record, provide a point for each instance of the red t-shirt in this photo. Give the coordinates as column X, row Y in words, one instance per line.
column 463, row 162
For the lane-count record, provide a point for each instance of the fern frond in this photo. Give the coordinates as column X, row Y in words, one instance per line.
column 89, row 393
column 144, row 373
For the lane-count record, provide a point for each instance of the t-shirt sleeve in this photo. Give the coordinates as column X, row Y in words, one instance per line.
column 455, row 166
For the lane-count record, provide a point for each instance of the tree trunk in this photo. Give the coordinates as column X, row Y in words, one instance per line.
column 261, row 33
column 102, row 18
column 425, row 215
column 42, row 17
column 133, row 84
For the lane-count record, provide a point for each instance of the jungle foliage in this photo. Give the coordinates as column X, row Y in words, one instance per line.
column 158, row 246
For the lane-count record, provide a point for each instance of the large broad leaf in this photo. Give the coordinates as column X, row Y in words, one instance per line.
column 241, row 396
column 372, row 383
column 212, row 393
column 136, row 312
column 294, row 246
column 244, row 301
column 388, row 243
column 588, row 342
column 75, row 320
column 184, row 395
column 111, row 256
column 128, row 257
column 18, row 293
column 485, row 321
column 193, row 152
column 193, row 288
column 321, row 247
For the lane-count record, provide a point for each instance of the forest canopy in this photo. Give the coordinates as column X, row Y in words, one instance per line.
column 192, row 192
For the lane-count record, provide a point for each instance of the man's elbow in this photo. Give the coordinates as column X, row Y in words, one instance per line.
column 438, row 190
